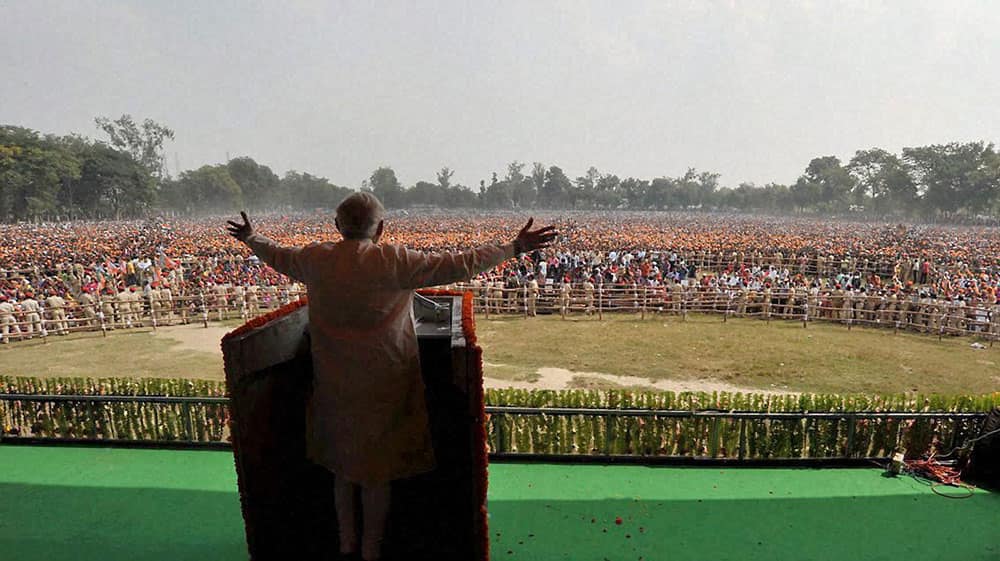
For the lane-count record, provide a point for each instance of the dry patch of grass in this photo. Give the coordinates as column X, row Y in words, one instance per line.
column 135, row 353
column 513, row 373
column 747, row 353
column 597, row 383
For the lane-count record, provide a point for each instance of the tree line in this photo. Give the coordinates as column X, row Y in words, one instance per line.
column 54, row 177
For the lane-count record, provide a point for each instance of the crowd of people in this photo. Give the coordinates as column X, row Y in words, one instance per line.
column 104, row 275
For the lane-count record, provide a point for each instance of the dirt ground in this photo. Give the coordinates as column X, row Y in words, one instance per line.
column 194, row 337
column 551, row 378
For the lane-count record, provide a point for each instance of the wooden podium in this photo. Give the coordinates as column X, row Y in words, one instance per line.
column 287, row 501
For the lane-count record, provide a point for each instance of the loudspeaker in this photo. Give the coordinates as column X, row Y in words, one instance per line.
column 984, row 463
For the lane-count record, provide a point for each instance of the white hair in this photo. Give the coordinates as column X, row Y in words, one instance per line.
column 358, row 215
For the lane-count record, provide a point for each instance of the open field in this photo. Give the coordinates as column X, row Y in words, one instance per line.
column 189, row 351
column 622, row 351
column 746, row 353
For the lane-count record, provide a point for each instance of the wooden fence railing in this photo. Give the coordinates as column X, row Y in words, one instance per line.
column 936, row 318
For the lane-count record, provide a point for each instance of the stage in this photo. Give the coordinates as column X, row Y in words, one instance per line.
column 88, row 503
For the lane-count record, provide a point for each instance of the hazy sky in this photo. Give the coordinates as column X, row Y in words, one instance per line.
column 752, row 90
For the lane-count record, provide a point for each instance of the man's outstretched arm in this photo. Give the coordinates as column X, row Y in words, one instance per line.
column 286, row 260
column 419, row 270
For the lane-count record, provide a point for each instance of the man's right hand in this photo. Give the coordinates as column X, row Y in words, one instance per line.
column 528, row 240
column 240, row 231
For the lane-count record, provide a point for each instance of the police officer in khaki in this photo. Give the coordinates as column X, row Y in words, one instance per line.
column 588, row 296
column 167, row 302
column 123, row 307
column 108, row 308
column 253, row 300
column 891, row 307
column 8, row 324
column 801, row 299
column 476, row 286
column 741, row 300
column 496, row 295
column 134, row 305
column 153, row 300
column 55, row 307
column 532, row 288
column 676, row 297
column 32, row 315
column 222, row 299
column 564, row 298
column 88, row 307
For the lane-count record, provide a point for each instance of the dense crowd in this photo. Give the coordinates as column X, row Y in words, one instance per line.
column 116, row 274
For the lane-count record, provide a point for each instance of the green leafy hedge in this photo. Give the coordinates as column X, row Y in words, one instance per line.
column 722, row 438
column 120, row 421
column 577, row 434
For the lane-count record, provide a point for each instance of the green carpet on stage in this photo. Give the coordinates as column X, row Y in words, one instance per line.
column 83, row 504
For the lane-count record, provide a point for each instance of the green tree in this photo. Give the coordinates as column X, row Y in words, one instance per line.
column 460, row 196
column 112, row 184
column 585, row 191
column 538, row 177
column 204, row 190
column 660, row 194
column 826, row 185
column 498, row 194
column 444, row 177
column 607, row 194
column 953, row 177
column 635, row 192
column 882, row 179
column 806, row 194
column 386, row 187
column 556, row 189
column 33, row 172
column 308, row 192
column 427, row 193
column 260, row 186
column 144, row 142
column 519, row 188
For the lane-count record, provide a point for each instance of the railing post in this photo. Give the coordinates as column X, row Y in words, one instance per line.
column 713, row 434
column 100, row 317
column 524, row 299
column 851, row 428
column 643, row 302
column 204, row 310
column 741, row 453
column 600, row 302
column 607, row 433
column 498, row 420
column 188, row 425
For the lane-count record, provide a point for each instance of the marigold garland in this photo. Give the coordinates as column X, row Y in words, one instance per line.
column 262, row 320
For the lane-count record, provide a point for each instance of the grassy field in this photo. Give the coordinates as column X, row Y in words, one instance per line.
column 139, row 353
column 742, row 352
column 750, row 354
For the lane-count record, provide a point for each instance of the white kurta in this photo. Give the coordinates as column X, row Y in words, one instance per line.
column 367, row 418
